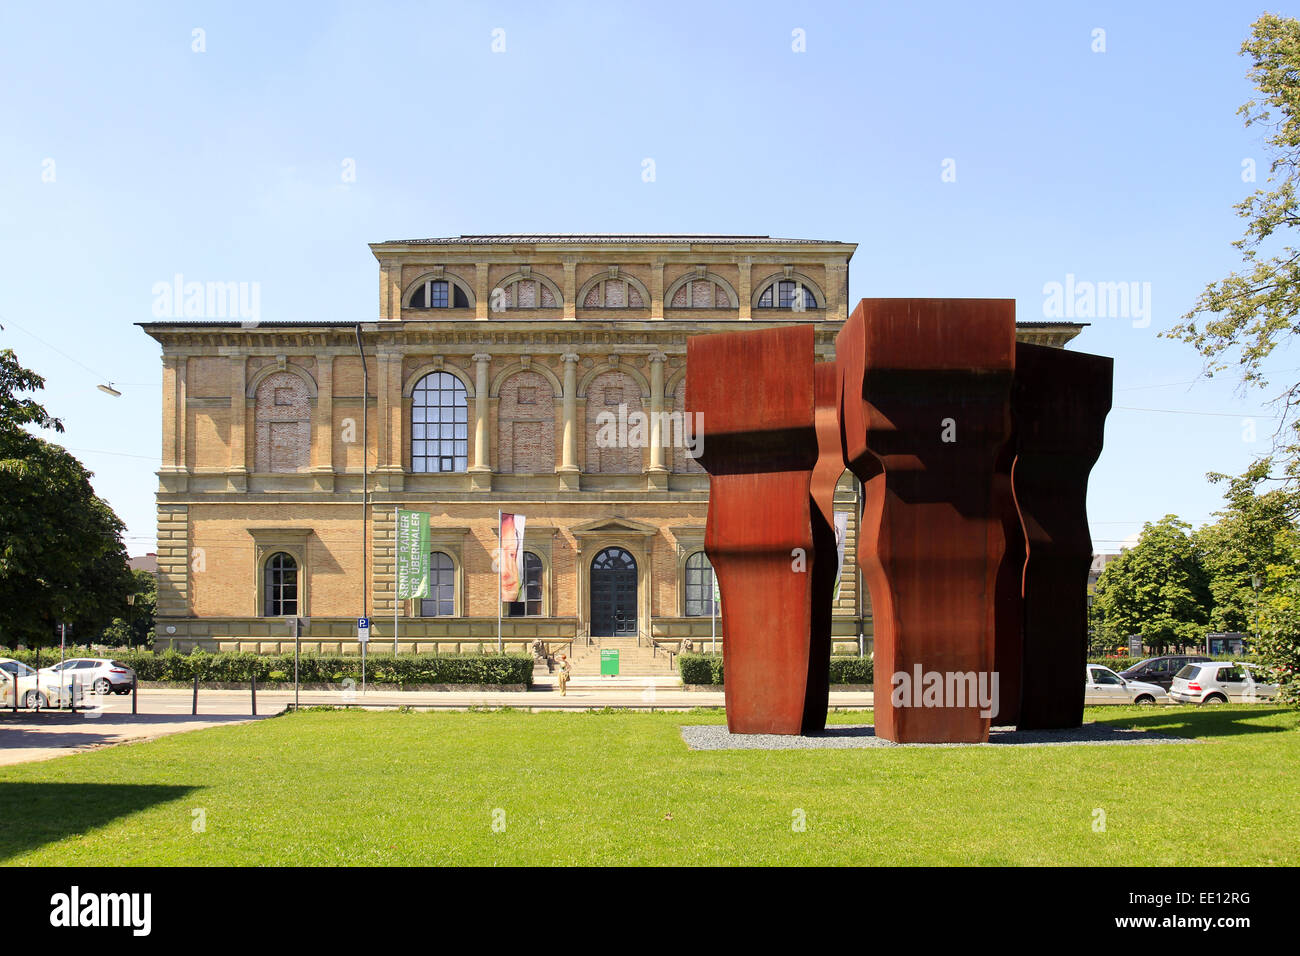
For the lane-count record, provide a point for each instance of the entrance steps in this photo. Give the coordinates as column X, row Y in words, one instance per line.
column 633, row 661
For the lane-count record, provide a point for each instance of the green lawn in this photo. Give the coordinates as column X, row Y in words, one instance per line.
column 613, row 788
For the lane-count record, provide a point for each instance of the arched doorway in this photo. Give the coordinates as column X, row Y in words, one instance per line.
column 613, row 594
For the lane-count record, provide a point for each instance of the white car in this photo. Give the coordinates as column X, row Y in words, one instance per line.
column 88, row 675
column 1221, row 682
column 1103, row 686
column 10, row 672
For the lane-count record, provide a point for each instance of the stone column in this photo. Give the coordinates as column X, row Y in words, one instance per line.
column 173, row 471
column 481, row 470
column 239, row 422
column 570, row 288
column 745, row 288
column 657, row 290
column 322, row 441
column 568, row 469
column 482, row 291
column 657, row 474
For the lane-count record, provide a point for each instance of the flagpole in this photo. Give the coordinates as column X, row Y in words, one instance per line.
column 500, row 557
column 397, row 574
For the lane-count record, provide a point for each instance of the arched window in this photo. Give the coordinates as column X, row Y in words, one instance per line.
column 526, row 291
column 438, row 294
column 699, row 585
column 611, row 396
column 706, row 292
column 531, row 605
column 441, row 601
column 785, row 294
column 439, row 424
column 613, row 292
column 280, row 577
column 526, row 424
column 282, row 421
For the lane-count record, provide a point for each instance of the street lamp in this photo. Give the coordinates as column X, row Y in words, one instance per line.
column 108, row 389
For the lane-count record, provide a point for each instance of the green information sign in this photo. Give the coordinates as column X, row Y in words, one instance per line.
column 412, row 554
column 609, row 662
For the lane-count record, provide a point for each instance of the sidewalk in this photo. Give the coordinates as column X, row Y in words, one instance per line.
column 29, row 736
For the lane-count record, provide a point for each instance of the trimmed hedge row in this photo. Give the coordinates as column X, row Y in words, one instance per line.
column 404, row 670
column 707, row 669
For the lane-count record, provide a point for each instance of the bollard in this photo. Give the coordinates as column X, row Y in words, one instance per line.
column 253, row 686
column 194, row 709
column 135, row 692
column 72, row 694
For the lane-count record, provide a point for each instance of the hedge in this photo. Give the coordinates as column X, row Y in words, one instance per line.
column 403, row 670
column 707, row 669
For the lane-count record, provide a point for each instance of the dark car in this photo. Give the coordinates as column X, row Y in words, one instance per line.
column 1161, row 670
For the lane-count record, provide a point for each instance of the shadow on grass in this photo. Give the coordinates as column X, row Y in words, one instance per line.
column 34, row 814
column 1206, row 720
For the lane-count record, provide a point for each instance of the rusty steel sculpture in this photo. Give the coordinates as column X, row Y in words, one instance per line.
column 1059, row 402
column 973, row 452
column 760, row 446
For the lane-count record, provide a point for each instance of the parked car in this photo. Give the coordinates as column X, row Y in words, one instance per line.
column 1103, row 686
column 88, row 675
column 10, row 671
column 1221, row 682
column 1160, row 670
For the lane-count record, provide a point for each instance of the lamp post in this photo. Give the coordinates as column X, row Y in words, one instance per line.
column 130, row 622
column 1254, row 584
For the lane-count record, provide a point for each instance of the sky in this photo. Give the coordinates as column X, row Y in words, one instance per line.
column 987, row 149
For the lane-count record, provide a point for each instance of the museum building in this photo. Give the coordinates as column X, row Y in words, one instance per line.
column 542, row 375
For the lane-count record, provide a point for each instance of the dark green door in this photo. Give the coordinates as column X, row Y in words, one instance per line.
column 613, row 594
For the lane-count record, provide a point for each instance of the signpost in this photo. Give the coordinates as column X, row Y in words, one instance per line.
column 363, row 635
column 1135, row 645
column 609, row 662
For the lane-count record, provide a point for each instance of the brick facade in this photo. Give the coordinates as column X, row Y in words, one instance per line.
column 268, row 429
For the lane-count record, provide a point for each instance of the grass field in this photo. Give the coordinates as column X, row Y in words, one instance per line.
column 620, row 788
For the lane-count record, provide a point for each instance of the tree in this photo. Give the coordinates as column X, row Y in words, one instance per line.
column 1277, row 617
column 61, row 553
column 1238, row 549
column 1245, row 316
column 1157, row 589
column 136, row 629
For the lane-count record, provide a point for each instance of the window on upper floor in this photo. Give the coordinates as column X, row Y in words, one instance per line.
column 706, row 292
column 790, row 294
column 439, row 424
column 438, row 294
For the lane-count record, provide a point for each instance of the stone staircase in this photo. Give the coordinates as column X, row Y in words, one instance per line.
column 633, row 661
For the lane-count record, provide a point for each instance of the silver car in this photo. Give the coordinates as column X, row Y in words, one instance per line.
column 1221, row 682
column 1101, row 685
column 76, row 677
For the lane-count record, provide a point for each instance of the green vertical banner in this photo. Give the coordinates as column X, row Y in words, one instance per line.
column 412, row 554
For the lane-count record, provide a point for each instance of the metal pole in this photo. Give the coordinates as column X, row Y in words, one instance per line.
column 297, row 647
column 501, row 556
column 194, row 707
column 363, row 666
column 365, row 480
column 135, row 693
column 397, row 576
column 253, row 686
column 72, row 694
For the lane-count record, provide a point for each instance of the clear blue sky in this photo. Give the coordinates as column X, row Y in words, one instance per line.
column 226, row 165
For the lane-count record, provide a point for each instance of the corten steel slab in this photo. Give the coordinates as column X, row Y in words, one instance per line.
column 755, row 392
column 1008, row 611
column 931, row 539
column 1060, row 401
column 825, row 476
